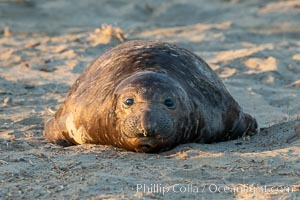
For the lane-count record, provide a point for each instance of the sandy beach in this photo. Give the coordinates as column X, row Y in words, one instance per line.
column 254, row 46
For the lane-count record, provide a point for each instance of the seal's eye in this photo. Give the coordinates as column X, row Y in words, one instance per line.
column 169, row 103
column 129, row 102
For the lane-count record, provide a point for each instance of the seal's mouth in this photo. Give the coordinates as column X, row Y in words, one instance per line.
column 151, row 145
column 145, row 144
column 145, row 148
column 152, row 139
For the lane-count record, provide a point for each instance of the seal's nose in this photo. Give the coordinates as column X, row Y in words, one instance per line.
column 148, row 124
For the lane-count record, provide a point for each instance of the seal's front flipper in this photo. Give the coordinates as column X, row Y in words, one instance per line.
column 246, row 125
column 252, row 125
column 53, row 133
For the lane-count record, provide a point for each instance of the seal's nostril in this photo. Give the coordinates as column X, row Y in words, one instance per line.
column 149, row 133
column 146, row 133
column 140, row 135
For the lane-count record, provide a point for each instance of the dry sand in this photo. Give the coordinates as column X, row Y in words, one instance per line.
column 254, row 46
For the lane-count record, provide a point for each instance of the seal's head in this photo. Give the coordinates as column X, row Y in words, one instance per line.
column 149, row 107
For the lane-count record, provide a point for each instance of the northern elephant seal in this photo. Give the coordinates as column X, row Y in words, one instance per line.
column 148, row 96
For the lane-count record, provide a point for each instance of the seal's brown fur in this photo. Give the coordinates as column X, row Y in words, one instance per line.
column 150, row 73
